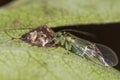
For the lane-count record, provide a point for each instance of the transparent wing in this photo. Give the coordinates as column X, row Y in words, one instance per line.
column 108, row 54
column 105, row 54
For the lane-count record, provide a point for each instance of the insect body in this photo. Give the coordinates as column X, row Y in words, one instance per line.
column 45, row 37
column 86, row 48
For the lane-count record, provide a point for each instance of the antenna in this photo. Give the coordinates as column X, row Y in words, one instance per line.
column 81, row 32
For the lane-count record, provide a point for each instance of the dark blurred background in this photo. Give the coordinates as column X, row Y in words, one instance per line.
column 4, row 2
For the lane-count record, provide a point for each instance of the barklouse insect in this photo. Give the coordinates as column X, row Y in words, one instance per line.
column 45, row 37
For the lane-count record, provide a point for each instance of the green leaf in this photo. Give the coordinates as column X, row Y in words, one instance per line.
column 20, row 61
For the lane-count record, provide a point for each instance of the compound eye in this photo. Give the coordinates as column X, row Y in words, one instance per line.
column 43, row 35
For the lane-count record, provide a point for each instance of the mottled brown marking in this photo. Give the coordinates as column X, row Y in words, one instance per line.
column 40, row 36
